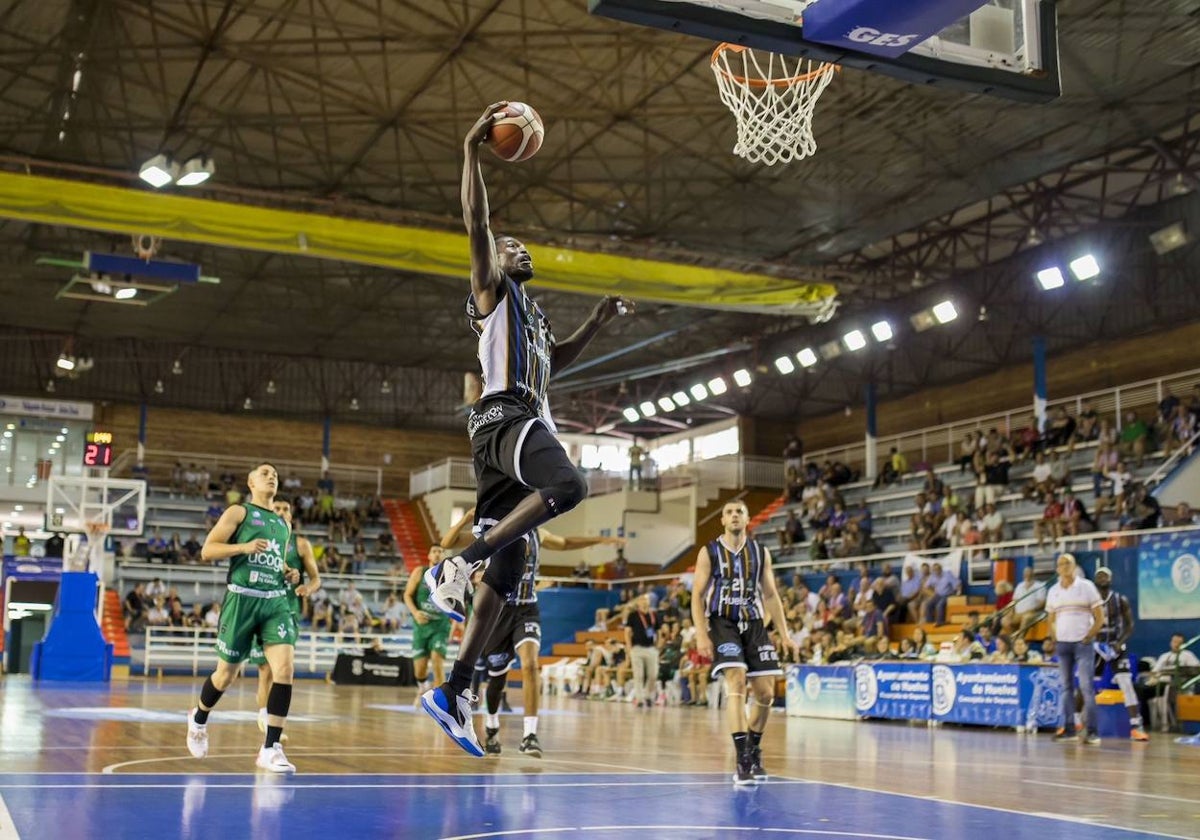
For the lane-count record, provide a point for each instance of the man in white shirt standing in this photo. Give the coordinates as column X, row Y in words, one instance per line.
column 1074, row 605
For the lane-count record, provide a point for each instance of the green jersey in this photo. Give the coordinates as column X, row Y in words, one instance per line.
column 293, row 560
column 262, row 572
column 424, row 602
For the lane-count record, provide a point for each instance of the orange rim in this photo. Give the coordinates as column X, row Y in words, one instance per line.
column 822, row 70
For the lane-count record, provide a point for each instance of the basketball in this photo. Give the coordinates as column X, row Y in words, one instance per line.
column 517, row 134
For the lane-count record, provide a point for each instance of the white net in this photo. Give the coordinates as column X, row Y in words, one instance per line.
column 772, row 98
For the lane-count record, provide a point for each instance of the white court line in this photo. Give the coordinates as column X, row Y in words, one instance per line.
column 522, row 785
column 648, row 771
column 1054, row 817
column 1121, row 792
column 816, row 831
column 8, row 829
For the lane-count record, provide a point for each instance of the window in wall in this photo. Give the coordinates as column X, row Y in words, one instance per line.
column 672, row 455
column 717, row 444
column 606, row 457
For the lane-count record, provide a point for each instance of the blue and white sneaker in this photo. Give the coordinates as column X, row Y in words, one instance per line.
column 448, row 582
column 453, row 714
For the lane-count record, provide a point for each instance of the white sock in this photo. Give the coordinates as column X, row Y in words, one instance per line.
column 492, row 721
column 262, row 712
column 530, row 725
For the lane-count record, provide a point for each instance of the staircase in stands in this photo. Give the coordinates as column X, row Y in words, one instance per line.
column 766, row 513
column 113, row 625
column 411, row 539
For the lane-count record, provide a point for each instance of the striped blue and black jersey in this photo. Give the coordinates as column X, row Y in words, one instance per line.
column 1114, row 624
column 733, row 591
column 516, row 346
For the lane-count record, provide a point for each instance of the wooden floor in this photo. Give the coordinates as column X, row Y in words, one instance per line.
column 369, row 763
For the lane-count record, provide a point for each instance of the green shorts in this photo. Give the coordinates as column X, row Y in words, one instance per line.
column 430, row 637
column 247, row 621
column 257, row 657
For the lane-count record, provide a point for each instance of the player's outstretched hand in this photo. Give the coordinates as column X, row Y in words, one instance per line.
column 612, row 306
column 483, row 125
column 257, row 546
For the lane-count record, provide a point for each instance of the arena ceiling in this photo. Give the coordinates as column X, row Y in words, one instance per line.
column 357, row 108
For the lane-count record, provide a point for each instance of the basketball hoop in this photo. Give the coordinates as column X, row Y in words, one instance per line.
column 146, row 245
column 772, row 100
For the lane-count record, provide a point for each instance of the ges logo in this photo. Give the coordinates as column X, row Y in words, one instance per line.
column 869, row 35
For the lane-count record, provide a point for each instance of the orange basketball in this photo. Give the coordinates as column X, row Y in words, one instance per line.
column 517, row 133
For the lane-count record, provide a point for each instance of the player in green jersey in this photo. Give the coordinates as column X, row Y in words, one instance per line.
column 431, row 630
column 253, row 538
column 298, row 559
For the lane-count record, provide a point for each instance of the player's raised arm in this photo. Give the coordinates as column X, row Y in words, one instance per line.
column 485, row 272
column 217, row 545
column 565, row 352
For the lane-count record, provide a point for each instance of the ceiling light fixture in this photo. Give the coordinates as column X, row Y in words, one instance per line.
column 177, row 368
column 945, row 312
column 248, row 404
column 631, row 414
column 271, row 386
column 831, row 349
column 1051, row 278
column 65, row 362
column 647, row 408
column 742, row 378
column 125, row 293
column 699, row 392
column 1085, row 267
column 681, row 398
column 158, row 386
column 784, row 365
column 854, row 340
column 158, row 171
column 717, row 386
column 807, row 357
column 666, row 404
column 196, row 171
column 385, row 387
column 882, row 331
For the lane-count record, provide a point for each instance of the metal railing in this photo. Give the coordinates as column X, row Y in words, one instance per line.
column 191, row 648
column 938, row 444
column 1164, row 469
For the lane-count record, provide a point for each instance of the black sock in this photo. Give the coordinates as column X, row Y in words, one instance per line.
column 274, row 733
column 460, row 676
column 208, row 697
column 495, row 694
column 739, row 743
column 477, row 552
column 755, row 738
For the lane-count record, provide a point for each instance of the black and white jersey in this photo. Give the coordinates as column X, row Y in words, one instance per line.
column 525, row 591
column 1114, row 618
column 516, row 346
column 736, row 581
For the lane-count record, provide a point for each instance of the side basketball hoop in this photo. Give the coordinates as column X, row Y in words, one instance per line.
column 772, row 99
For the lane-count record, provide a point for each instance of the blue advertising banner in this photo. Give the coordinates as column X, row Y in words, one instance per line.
column 882, row 27
column 1168, row 576
column 996, row 695
column 33, row 568
column 822, row 691
column 894, row 690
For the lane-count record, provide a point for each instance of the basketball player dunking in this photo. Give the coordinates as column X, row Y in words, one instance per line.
column 524, row 475
column 734, row 590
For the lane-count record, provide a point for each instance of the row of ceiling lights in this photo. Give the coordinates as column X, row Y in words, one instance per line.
column 161, row 170
column 1083, row 268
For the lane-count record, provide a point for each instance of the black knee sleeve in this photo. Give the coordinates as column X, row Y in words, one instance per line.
column 494, row 690
column 209, row 694
column 279, row 700
column 505, row 568
column 567, row 489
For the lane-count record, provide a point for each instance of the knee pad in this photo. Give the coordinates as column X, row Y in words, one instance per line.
column 566, row 489
column 505, row 568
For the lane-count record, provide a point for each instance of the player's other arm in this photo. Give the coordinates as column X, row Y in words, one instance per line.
column 773, row 604
column 217, row 545
column 485, row 270
column 458, row 536
column 553, row 542
column 566, row 352
column 410, row 594
column 310, row 568
column 700, row 581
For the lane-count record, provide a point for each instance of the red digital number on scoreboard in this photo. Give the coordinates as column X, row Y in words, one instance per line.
column 97, row 455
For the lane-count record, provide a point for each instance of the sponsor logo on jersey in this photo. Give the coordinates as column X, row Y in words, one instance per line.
column 478, row 421
column 729, row 649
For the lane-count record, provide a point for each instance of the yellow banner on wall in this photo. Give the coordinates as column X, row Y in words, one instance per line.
column 79, row 204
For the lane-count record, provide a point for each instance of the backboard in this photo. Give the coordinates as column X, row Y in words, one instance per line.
column 1006, row 48
column 74, row 501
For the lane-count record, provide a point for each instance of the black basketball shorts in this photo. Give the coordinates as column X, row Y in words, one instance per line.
column 742, row 644
column 519, row 623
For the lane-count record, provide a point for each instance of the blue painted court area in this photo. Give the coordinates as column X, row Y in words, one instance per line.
column 544, row 805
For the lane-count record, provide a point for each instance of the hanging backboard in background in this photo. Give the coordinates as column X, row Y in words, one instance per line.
column 1006, row 48
column 74, row 501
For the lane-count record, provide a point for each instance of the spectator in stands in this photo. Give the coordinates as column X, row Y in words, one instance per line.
column 933, row 487
column 881, row 648
column 793, row 454
column 883, row 609
column 1119, row 480
column 925, row 649
column 620, row 566
column 156, row 547
column 174, row 548
column 154, row 590
column 1075, row 516
column 177, row 617
column 1142, row 511
column 1181, row 430
column 320, row 608
column 135, row 608
column 908, row 601
column 583, row 571
column 196, row 617
column 22, row 545
column 1003, row 653
column 324, row 505
column 941, row 586
column 334, row 559
column 177, row 482
column 1022, row 652
column 211, row 515
column 157, row 616
column 375, row 510
column 204, row 482
column 190, row 553
column 1049, row 650
column 1004, row 595
column 325, row 482
column 967, row 647
column 358, row 563
column 212, row 618
column 996, row 474
column 991, row 524
column 1029, row 600
column 385, row 544
column 1105, row 461
column 1177, row 657
column 792, row 531
column 191, row 480
column 695, row 669
column 393, row 614
column 1041, row 483
column 985, row 637
column 966, row 451
column 53, row 547
column 1051, row 523
column 1026, row 443
column 1061, row 429
column 1181, row 516
column 1060, row 471
column 1134, row 438
column 1088, row 428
